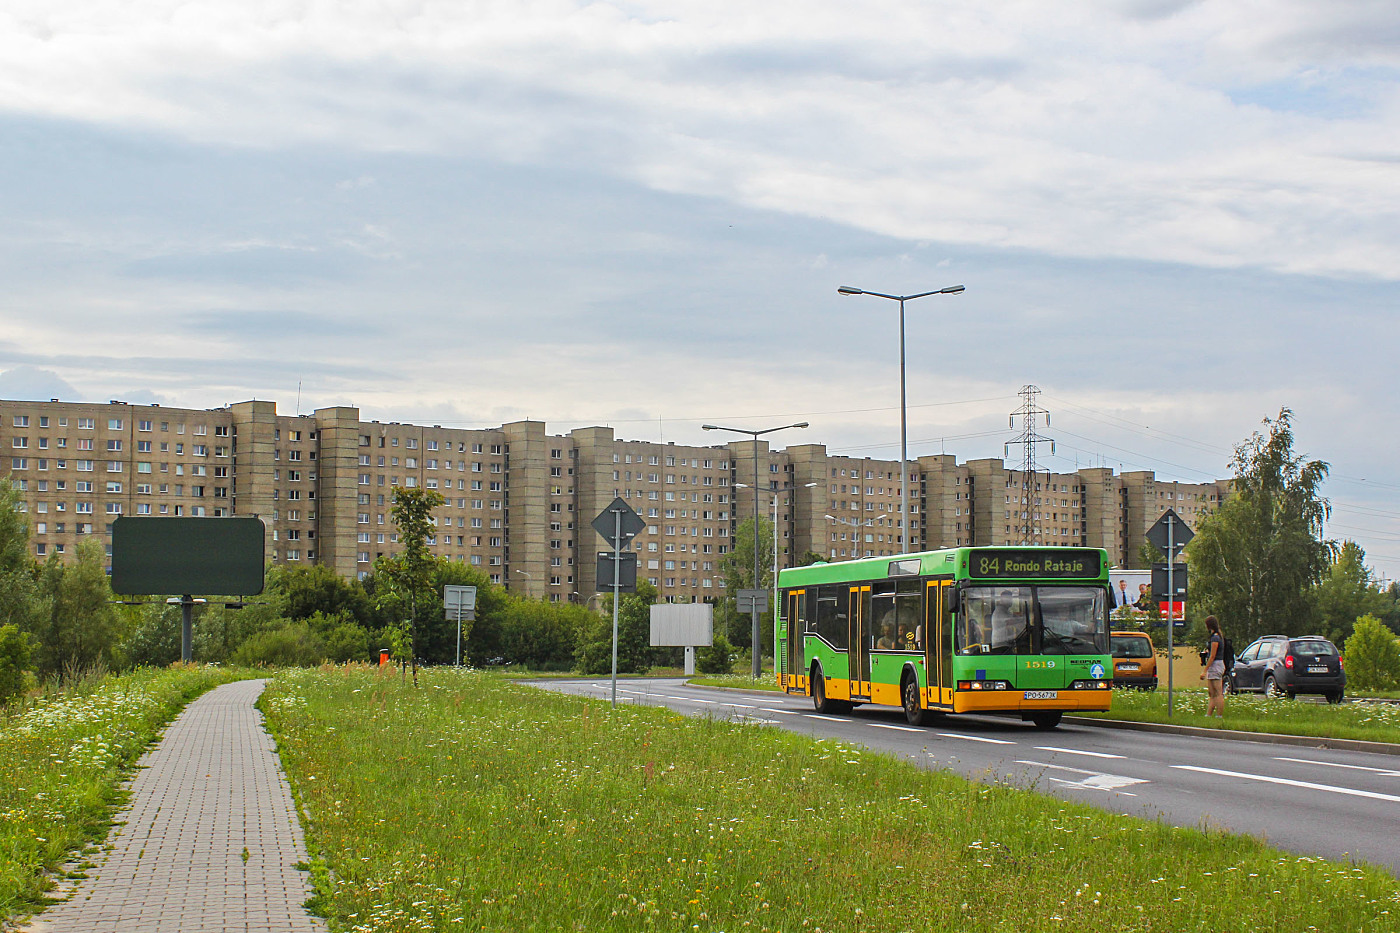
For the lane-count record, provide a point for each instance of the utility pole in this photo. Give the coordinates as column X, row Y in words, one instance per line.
column 1029, row 413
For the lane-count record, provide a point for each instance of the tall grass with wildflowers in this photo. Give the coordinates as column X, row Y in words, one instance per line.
column 63, row 756
column 1252, row 712
column 479, row 804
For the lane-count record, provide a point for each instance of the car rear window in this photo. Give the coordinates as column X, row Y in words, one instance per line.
column 1130, row 646
column 1317, row 649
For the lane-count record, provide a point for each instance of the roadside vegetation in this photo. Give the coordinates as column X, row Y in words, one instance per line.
column 1369, row 722
column 63, row 753
column 476, row 803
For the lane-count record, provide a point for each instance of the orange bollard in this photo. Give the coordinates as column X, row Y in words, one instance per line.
column 383, row 656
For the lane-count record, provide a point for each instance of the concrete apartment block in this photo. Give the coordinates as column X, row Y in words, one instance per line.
column 518, row 500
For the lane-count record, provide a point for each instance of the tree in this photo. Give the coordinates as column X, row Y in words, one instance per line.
column 737, row 569
column 1348, row 593
column 21, row 603
column 306, row 590
column 408, row 574
column 1372, row 656
column 82, row 626
column 594, row 651
column 1255, row 559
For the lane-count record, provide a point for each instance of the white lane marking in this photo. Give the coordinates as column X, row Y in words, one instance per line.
column 742, row 705
column 1269, row 779
column 975, row 738
column 886, row 725
column 827, row 718
column 698, row 700
column 1388, row 772
column 766, row 722
column 1093, row 780
column 1074, row 751
column 785, row 712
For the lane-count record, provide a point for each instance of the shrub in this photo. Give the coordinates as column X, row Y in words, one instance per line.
column 16, row 659
column 291, row 645
column 716, row 657
column 1372, row 656
column 347, row 642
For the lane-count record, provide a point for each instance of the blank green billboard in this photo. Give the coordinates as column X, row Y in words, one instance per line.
column 179, row 556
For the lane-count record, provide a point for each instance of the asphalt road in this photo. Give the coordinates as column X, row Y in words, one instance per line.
column 1310, row 801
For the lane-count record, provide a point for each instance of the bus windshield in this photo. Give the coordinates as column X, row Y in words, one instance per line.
column 1033, row 620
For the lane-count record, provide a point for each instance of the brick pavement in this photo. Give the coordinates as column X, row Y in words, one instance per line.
column 210, row 790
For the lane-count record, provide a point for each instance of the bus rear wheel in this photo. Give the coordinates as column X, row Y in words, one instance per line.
column 1046, row 720
column 913, row 709
column 822, row 702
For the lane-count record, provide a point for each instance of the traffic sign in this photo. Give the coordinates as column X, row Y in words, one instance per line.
column 1177, row 583
column 606, row 524
column 1169, row 533
column 459, row 599
column 627, row 572
column 751, row 601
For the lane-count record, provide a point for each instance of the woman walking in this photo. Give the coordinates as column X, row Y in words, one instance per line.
column 1214, row 674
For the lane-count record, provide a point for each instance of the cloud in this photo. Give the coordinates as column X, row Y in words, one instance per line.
column 1202, row 134
column 31, row 383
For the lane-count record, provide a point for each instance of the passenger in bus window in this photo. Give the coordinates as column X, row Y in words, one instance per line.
column 887, row 639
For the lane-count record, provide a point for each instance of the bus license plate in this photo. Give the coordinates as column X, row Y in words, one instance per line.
column 1041, row 694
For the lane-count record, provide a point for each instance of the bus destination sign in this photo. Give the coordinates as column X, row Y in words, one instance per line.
column 1050, row 563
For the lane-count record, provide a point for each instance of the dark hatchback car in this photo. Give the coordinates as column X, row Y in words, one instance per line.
column 1276, row 665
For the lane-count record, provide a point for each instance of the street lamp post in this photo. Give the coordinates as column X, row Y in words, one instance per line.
column 903, row 407
column 755, row 634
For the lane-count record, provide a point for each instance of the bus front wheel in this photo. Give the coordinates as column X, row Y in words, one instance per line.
column 913, row 708
column 1046, row 720
column 822, row 702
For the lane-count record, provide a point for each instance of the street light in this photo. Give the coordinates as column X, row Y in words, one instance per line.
column 903, row 407
column 757, row 637
column 868, row 523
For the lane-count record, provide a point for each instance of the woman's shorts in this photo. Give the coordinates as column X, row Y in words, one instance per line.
column 1216, row 671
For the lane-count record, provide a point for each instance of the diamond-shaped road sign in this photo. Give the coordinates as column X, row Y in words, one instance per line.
column 1169, row 530
column 606, row 524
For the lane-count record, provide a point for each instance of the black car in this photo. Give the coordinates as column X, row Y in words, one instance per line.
column 1277, row 665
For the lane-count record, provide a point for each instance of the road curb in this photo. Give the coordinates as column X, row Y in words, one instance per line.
column 1268, row 738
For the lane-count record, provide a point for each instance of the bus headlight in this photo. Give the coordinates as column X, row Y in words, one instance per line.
column 984, row 685
column 1090, row 685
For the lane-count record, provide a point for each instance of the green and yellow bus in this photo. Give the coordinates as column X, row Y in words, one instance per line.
column 1021, row 631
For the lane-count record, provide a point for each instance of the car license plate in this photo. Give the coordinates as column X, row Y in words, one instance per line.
column 1129, row 667
column 1040, row 694
column 1317, row 670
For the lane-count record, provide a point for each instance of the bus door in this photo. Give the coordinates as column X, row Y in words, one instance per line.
column 859, row 644
column 796, row 662
column 939, row 606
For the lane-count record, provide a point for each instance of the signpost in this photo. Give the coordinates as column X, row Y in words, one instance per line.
column 751, row 601
column 1170, row 534
column 618, row 525
column 459, row 601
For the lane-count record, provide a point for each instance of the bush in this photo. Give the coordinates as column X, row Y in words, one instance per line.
column 1372, row 656
column 716, row 658
column 291, row 645
column 16, row 659
column 347, row 642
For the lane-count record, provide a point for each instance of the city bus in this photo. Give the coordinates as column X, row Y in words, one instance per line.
column 1019, row 631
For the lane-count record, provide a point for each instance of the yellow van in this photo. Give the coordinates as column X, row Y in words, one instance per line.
column 1134, row 661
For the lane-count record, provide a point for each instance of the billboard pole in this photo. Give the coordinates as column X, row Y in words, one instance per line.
column 186, row 628
column 1171, row 621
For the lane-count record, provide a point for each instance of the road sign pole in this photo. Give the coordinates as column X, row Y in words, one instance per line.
column 617, row 589
column 459, row 634
column 1171, row 623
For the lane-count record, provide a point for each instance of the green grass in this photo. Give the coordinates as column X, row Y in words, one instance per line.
column 474, row 803
column 741, row 681
column 1372, row 722
column 62, row 758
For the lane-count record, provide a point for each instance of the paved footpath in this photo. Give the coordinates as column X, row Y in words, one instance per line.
column 210, row 791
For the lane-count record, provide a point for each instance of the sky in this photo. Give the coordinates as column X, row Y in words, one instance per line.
column 1174, row 218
